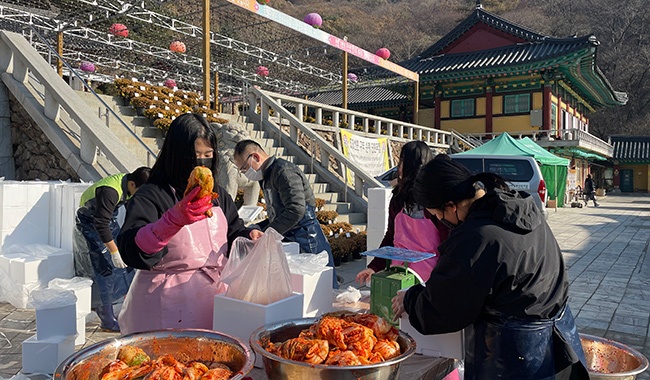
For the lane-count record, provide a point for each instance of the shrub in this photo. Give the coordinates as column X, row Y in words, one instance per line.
column 163, row 123
column 320, row 203
column 325, row 217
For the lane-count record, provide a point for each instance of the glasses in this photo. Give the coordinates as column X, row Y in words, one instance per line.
column 241, row 169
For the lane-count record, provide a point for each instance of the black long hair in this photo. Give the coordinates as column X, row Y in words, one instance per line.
column 414, row 154
column 443, row 180
column 177, row 157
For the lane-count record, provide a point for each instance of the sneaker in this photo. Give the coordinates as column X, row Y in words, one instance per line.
column 596, row 205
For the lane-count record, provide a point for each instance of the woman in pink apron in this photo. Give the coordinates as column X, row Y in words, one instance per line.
column 409, row 225
column 179, row 251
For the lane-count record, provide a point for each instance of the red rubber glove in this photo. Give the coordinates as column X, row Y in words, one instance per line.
column 154, row 236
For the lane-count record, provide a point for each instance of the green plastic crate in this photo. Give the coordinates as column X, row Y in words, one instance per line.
column 384, row 286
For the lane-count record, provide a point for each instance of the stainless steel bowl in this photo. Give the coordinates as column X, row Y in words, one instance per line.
column 185, row 345
column 280, row 368
column 608, row 360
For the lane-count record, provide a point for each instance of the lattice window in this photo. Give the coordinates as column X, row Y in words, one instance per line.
column 463, row 108
column 518, row 103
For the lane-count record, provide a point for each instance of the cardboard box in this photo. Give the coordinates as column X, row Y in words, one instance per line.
column 450, row 345
column 43, row 356
column 317, row 289
column 240, row 318
column 59, row 321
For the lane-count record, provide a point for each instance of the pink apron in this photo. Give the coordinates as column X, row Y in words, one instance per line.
column 179, row 291
column 417, row 235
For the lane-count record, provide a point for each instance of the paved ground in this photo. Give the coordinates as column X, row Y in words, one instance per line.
column 605, row 250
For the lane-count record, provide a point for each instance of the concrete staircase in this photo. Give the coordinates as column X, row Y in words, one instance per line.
column 153, row 138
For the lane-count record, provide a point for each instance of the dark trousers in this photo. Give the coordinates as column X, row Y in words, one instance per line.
column 111, row 283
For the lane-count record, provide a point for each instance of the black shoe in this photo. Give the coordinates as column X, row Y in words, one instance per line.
column 339, row 279
column 596, row 205
column 106, row 315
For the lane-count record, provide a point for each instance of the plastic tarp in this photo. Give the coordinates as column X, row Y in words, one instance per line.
column 554, row 169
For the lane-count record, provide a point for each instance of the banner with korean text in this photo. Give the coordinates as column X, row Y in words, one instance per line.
column 371, row 154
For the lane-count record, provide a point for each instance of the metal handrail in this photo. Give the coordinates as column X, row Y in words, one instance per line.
column 73, row 71
column 266, row 100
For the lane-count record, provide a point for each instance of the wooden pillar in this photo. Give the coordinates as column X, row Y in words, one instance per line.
column 344, row 96
column 416, row 102
column 489, row 93
column 546, row 107
column 437, row 110
column 216, row 91
column 206, row 50
column 59, row 50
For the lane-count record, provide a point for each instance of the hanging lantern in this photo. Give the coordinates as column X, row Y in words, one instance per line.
column 262, row 71
column 314, row 20
column 264, row 2
column 119, row 30
column 177, row 47
column 87, row 67
column 170, row 83
column 352, row 77
column 383, row 53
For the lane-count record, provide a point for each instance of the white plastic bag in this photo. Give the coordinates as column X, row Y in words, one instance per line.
column 263, row 275
column 51, row 298
column 74, row 284
column 239, row 250
column 307, row 263
column 350, row 295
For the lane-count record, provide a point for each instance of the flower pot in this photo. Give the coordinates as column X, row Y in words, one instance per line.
column 357, row 256
column 337, row 261
column 347, row 258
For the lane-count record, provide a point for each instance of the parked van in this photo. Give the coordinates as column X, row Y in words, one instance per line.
column 522, row 172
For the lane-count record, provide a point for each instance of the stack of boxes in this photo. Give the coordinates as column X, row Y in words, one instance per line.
column 36, row 223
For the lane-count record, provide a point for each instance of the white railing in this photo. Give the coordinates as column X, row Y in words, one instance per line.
column 266, row 102
column 372, row 126
column 559, row 138
column 18, row 59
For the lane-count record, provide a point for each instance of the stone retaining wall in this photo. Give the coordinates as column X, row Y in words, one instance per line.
column 35, row 156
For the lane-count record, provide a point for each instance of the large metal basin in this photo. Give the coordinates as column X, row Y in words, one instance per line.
column 278, row 368
column 608, row 360
column 186, row 345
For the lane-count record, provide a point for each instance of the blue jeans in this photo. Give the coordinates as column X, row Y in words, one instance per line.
column 112, row 283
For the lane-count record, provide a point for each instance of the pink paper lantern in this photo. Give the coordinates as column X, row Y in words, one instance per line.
column 352, row 77
column 262, row 71
column 314, row 20
column 177, row 47
column 87, row 67
column 119, row 30
column 383, row 53
column 170, row 83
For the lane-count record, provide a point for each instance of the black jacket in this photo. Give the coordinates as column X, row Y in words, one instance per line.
column 502, row 260
column 147, row 206
column 287, row 193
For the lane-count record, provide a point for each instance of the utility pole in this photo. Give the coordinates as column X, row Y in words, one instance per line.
column 206, row 50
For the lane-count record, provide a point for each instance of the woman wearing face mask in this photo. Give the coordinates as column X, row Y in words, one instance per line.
column 178, row 250
column 410, row 226
column 501, row 275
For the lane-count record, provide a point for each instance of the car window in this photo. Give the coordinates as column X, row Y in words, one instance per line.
column 512, row 170
column 475, row 165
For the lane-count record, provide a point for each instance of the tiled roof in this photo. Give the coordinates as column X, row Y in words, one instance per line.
column 507, row 56
column 360, row 96
column 480, row 15
column 631, row 148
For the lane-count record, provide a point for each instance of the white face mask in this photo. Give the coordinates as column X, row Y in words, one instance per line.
column 254, row 175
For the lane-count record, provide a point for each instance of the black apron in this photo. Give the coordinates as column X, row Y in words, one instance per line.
column 527, row 349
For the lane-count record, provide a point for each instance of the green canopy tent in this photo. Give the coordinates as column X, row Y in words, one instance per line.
column 554, row 168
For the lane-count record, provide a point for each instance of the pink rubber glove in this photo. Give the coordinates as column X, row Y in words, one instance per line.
column 154, row 236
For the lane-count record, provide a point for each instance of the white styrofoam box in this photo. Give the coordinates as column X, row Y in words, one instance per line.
column 240, row 318
column 13, row 194
column 80, row 290
column 451, row 345
column 378, row 201
column 25, row 270
column 44, row 355
column 317, row 289
column 59, row 321
column 291, row 248
column 81, row 329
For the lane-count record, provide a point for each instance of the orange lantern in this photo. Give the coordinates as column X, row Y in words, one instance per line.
column 177, row 47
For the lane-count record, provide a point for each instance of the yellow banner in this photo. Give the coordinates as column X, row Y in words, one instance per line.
column 370, row 154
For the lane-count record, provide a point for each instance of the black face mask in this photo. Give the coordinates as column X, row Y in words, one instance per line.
column 207, row 162
column 449, row 224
